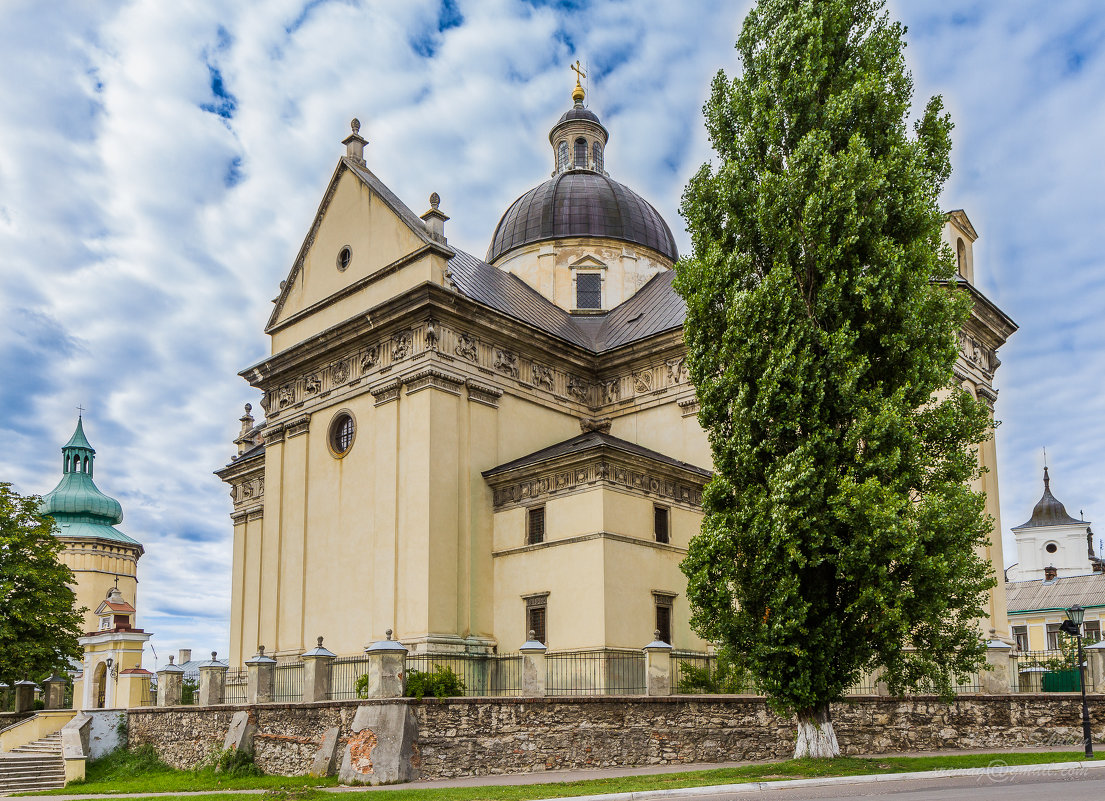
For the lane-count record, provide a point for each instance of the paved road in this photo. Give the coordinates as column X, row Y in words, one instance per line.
column 1074, row 785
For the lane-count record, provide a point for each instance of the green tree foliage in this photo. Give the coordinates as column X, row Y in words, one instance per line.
column 840, row 531
column 38, row 625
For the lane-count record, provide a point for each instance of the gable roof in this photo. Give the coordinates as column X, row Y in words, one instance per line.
column 389, row 198
column 593, row 440
column 1061, row 593
column 653, row 309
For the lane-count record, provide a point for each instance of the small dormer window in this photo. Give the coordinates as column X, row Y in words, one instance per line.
column 596, row 151
column 562, row 162
column 581, row 154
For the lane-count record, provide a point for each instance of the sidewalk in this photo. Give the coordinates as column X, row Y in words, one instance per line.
column 558, row 776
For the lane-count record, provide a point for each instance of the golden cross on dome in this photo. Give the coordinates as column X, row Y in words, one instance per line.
column 577, row 93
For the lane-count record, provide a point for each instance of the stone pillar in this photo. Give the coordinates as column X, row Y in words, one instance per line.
column 387, row 668
column 54, row 692
column 25, row 695
column 316, row 673
column 994, row 678
column 1032, row 679
column 533, row 668
column 261, row 678
column 170, row 684
column 657, row 666
column 1095, row 667
column 212, row 682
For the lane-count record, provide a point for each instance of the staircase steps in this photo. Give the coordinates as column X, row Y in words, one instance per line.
column 35, row 766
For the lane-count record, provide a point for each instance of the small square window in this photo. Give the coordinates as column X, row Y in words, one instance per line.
column 535, row 525
column 588, row 291
column 660, row 524
column 1020, row 637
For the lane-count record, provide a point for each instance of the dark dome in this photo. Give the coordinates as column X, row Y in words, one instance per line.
column 1049, row 510
column 579, row 113
column 581, row 203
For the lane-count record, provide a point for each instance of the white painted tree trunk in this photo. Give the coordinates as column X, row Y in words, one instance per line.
column 816, row 737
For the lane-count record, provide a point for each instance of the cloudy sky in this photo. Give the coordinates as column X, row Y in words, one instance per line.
column 160, row 164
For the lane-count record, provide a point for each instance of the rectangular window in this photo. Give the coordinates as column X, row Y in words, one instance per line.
column 1091, row 630
column 660, row 524
column 588, row 291
column 535, row 525
column 663, row 621
column 1053, row 636
column 1020, row 637
column 536, row 612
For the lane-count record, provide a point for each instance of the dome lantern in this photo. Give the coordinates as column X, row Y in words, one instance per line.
column 578, row 139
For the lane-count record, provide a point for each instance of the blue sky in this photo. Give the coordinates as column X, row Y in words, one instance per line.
column 160, row 164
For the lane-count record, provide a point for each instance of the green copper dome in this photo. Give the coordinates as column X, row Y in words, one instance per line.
column 76, row 503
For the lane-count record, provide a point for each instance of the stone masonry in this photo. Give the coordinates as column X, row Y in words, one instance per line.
column 477, row 736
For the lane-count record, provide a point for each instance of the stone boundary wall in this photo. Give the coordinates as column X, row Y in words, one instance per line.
column 479, row 736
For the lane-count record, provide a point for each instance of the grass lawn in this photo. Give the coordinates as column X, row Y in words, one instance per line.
column 137, row 772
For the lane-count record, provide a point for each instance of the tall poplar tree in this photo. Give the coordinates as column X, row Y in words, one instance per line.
column 840, row 533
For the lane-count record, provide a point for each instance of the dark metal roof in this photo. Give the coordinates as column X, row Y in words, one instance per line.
column 654, row 308
column 579, row 113
column 581, row 203
column 1048, row 511
column 592, row 440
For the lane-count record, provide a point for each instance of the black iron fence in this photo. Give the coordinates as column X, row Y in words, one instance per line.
column 236, row 686
column 1053, row 671
column 595, row 673
column 345, row 671
column 497, row 675
column 288, row 682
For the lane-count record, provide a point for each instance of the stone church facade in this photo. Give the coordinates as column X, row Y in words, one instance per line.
column 463, row 450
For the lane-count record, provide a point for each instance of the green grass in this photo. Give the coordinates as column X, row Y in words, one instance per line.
column 140, row 771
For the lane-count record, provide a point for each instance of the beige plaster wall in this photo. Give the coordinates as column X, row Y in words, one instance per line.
column 96, row 567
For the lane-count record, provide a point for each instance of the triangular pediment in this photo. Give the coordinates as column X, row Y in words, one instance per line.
column 959, row 219
column 360, row 228
column 587, row 261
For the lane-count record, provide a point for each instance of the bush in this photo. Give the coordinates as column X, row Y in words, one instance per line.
column 235, row 763
column 442, row 683
column 725, row 679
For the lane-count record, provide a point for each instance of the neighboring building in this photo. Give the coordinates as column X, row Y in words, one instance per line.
column 100, row 556
column 465, row 450
column 1057, row 569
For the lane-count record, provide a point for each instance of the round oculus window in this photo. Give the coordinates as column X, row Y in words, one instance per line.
column 1051, row 547
column 342, row 432
column 345, row 255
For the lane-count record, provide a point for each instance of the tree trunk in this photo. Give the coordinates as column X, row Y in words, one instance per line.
column 816, row 737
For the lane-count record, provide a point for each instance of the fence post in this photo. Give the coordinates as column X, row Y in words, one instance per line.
column 316, row 673
column 657, row 666
column 995, row 679
column 387, row 668
column 261, row 682
column 534, row 678
column 1095, row 666
column 54, row 692
column 213, row 681
column 170, row 684
column 25, row 695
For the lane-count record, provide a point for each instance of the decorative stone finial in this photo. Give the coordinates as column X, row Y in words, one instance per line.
column 435, row 219
column 214, row 655
column 388, row 634
column 532, row 634
column 354, row 143
column 260, row 651
column 320, row 642
column 170, row 660
column 249, row 408
column 435, row 200
column 656, row 635
column 355, row 125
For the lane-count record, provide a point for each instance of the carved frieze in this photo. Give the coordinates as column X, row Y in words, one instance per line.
column 285, row 396
column 370, row 357
column 467, row 347
column 677, row 371
column 401, row 346
column 431, row 336
column 612, row 390
column 642, row 381
column 339, row 372
column 579, row 389
column 506, row 362
column 542, row 376
column 312, row 384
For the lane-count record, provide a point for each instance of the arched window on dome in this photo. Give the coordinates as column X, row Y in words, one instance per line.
column 562, row 162
column 960, row 257
column 581, row 154
column 596, row 151
column 84, row 469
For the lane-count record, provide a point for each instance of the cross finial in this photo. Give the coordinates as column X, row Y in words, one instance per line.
column 80, row 411
column 577, row 93
column 116, row 582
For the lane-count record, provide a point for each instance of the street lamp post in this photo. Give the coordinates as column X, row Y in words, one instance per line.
column 1073, row 626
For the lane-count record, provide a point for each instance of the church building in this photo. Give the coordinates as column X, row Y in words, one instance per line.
column 464, row 450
